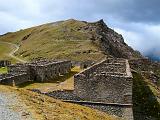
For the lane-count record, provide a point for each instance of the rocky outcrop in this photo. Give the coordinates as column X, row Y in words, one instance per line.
column 110, row 42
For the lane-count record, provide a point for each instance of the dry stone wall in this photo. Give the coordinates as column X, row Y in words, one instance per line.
column 106, row 86
column 144, row 64
column 86, row 64
column 14, row 79
column 48, row 70
column 41, row 71
column 19, row 68
column 108, row 81
column 4, row 63
column 123, row 111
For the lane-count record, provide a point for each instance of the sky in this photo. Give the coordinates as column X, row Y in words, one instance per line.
column 137, row 20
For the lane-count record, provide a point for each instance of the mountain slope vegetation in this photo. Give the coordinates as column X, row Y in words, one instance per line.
column 70, row 39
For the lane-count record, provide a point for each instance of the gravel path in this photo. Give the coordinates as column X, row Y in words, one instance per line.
column 11, row 54
column 13, row 109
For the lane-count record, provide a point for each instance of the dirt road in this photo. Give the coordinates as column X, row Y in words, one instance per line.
column 14, row 50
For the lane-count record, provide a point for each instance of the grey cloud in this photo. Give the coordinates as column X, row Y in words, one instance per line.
column 137, row 20
column 146, row 40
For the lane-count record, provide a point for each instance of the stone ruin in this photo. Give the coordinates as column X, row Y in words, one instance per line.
column 4, row 63
column 147, row 68
column 83, row 64
column 106, row 86
column 86, row 64
column 109, row 81
column 41, row 71
column 143, row 64
column 46, row 70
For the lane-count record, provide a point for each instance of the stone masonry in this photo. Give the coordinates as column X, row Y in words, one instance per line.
column 45, row 70
column 14, row 79
column 41, row 71
column 109, row 81
column 4, row 63
column 106, row 86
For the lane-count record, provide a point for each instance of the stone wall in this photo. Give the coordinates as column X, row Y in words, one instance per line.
column 19, row 68
column 63, row 95
column 14, row 79
column 83, row 64
column 4, row 63
column 106, row 86
column 144, row 64
column 109, row 81
column 48, row 70
column 123, row 111
column 120, row 110
column 154, row 78
column 86, row 64
column 41, row 71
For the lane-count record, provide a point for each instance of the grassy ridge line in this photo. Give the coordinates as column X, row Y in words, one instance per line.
column 46, row 108
column 60, row 40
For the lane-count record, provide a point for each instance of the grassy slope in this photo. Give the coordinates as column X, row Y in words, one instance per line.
column 4, row 50
column 145, row 104
column 60, row 40
column 46, row 108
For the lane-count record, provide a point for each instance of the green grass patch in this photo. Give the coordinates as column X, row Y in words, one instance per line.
column 3, row 70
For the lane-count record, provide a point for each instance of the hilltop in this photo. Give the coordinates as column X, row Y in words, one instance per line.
column 70, row 39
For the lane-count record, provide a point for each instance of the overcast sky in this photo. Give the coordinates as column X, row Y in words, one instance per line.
column 137, row 20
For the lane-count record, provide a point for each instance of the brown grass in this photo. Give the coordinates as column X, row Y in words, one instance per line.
column 46, row 108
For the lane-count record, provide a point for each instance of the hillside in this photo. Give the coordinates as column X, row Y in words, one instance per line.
column 70, row 39
column 41, row 107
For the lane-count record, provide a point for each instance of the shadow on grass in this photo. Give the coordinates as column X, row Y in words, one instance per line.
column 145, row 104
column 54, row 80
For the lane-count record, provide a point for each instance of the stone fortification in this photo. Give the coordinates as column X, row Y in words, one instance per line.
column 46, row 70
column 109, row 81
column 4, row 63
column 144, row 64
column 41, row 71
column 106, row 86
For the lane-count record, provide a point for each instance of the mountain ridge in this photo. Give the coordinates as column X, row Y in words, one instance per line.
column 70, row 39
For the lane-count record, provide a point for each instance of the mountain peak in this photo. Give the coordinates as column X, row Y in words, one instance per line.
column 71, row 39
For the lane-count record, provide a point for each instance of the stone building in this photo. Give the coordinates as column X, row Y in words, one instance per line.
column 41, row 71
column 106, row 86
column 47, row 70
column 86, row 64
column 4, row 63
column 143, row 64
column 109, row 81
column 14, row 79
